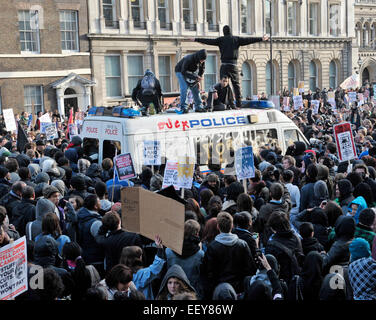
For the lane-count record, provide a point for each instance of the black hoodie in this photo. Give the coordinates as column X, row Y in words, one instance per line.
column 229, row 44
column 191, row 64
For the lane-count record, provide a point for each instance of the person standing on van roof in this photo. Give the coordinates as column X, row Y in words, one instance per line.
column 147, row 91
column 189, row 71
column 229, row 47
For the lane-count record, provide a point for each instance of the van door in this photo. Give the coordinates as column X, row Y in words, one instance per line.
column 290, row 135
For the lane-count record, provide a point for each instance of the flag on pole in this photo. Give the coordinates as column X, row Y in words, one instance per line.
column 21, row 138
column 70, row 122
column 351, row 82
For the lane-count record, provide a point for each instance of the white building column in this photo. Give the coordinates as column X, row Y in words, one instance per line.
column 86, row 98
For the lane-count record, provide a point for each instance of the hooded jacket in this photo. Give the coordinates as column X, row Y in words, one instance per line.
column 190, row 260
column 174, row 271
column 191, row 64
column 229, row 45
column 227, row 259
column 345, row 190
column 9, row 201
column 224, row 291
column 321, row 193
column 23, row 213
column 137, row 91
column 327, row 293
column 362, row 204
column 339, row 252
column 34, row 228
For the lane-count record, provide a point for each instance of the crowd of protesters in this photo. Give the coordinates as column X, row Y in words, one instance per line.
column 304, row 229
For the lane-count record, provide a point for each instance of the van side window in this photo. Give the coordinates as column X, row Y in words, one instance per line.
column 290, row 135
column 91, row 148
column 266, row 137
column 109, row 148
column 175, row 148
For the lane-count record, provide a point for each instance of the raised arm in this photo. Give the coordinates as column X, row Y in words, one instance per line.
column 243, row 41
column 211, row 42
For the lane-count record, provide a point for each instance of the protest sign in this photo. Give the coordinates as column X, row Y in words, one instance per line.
column 276, row 101
column 331, row 95
column 345, row 141
column 151, row 214
column 152, row 153
column 13, row 269
column 50, row 131
column 296, row 92
column 352, row 96
column 298, row 102
column 316, row 105
column 124, row 166
column 301, row 86
column 351, row 82
column 186, row 167
column 73, row 130
column 255, row 97
column 171, row 175
column 244, row 163
column 360, row 99
column 45, row 118
column 10, row 122
column 286, row 103
column 332, row 102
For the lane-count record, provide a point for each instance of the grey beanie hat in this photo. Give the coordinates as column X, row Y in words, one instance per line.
column 48, row 191
column 42, row 177
column 59, row 185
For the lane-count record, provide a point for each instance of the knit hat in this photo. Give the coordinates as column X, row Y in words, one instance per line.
column 42, row 177
column 78, row 183
column 49, row 191
column 359, row 248
column 367, row 217
column 59, row 185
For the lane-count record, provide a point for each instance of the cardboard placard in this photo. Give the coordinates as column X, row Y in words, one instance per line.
column 151, row 214
column 316, row 105
column 13, row 269
column 301, row 86
column 171, row 175
column 124, row 166
column 244, row 163
column 152, row 153
column 10, row 122
column 186, row 167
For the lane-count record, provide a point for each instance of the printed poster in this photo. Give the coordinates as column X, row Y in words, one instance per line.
column 124, row 166
column 244, row 163
column 345, row 141
column 171, row 175
column 13, row 269
column 152, row 153
column 186, row 167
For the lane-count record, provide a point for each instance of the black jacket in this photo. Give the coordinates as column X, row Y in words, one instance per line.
column 191, row 63
column 114, row 242
column 225, row 96
column 311, row 244
column 229, row 46
column 23, row 213
column 230, row 262
column 247, row 237
column 9, row 201
column 5, row 186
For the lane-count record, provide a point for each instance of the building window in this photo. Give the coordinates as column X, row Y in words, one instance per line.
column 210, row 71
column 245, row 14
column 33, row 95
column 333, row 79
column 268, row 15
column 109, row 13
column 291, row 18
column 365, row 34
column 188, row 15
column 164, row 63
column 313, row 19
column 69, row 30
column 334, row 20
column 29, row 31
column 113, row 76
column 163, row 13
column 247, row 81
column 292, row 80
column 269, row 78
column 137, row 13
column 135, row 71
column 313, row 83
column 211, row 15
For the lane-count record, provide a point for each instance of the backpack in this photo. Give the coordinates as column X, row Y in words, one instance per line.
column 148, row 85
column 287, row 259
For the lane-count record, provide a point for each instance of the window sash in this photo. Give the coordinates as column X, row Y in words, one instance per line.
column 247, row 81
column 164, row 63
column 210, row 71
column 33, row 94
column 29, row 32
column 211, row 17
column 69, row 30
column 135, row 70
column 188, row 11
column 113, row 76
column 334, row 19
column 313, row 18
column 136, row 8
column 291, row 18
column 244, row 16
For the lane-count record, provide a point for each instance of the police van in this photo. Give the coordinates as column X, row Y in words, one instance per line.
column 210, row 137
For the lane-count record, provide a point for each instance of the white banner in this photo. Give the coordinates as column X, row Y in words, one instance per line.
column 10, row 122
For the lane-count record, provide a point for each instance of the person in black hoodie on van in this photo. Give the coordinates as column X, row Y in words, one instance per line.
column 229, row 48
column 189, row 72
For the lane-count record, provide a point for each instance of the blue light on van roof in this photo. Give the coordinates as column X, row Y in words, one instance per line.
column 92, row 111
column 258, row 104
column 129, row 112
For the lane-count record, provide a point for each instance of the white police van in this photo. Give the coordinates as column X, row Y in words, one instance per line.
column 209, row 137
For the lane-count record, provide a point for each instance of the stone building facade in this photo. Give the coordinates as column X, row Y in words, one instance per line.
column 312, row 42
column 44, row 55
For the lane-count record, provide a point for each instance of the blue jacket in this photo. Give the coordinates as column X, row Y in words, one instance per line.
column 362, row 204
column 91, row 252
column 142, row 278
